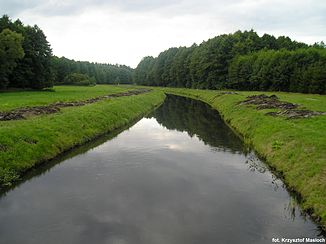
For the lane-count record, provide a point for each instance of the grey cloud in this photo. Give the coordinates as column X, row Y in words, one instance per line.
column 294, row 18
column 301, row 17
column 72, row 7
column 259, row 12
column 13, row 7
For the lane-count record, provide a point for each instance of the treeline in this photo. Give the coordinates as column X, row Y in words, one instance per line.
column 102, row 73
column 242, row 60
column 25, row 56
column 207, row 66
column 79, row 80
column 26, row 61
column 303, row 70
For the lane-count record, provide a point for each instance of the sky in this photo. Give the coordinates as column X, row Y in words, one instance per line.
column 123, row 32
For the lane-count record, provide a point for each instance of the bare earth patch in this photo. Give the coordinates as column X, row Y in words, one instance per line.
column 287, row 109
column 23, row 113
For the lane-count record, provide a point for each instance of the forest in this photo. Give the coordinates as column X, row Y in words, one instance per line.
column 242, row 60
column 101, row 73
column 27, row 61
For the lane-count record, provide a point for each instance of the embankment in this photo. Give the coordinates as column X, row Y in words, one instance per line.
column 29, row 142
column 296, row 148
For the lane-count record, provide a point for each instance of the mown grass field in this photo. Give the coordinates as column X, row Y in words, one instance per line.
column 296, row 148
column 17, row 99
column 26, row 143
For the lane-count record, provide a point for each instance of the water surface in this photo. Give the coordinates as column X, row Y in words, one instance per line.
column 179, row 176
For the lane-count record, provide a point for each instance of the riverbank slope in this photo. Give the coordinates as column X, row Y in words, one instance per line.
column 25, row 143
column 294, row 147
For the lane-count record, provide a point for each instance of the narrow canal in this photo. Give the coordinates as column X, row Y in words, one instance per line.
column 179, row 176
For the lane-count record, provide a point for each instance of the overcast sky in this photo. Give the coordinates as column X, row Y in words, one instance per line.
column 117, row 31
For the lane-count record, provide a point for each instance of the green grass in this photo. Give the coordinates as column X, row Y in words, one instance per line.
column 26, row 143
column 12, row 100
column 296, row 148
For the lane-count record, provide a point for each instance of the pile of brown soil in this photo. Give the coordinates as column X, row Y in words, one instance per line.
column 267, row 102
column 287, row 109
column 23, row 113
column 296, row 113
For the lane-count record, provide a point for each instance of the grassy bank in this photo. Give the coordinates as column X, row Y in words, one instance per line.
column 296, row 148
column 26, row 143
column 17, row 99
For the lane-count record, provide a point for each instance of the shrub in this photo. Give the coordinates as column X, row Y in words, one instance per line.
column 79, row 80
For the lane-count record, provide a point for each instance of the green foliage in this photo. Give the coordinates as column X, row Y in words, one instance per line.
column 11, row 51
column 34, row 69
column 242, row 60
column 39, row 69
column 302, row 70
column 180, row 69
column 319, row 45
column 142, row 74
column 103, row 73
column 79, row 80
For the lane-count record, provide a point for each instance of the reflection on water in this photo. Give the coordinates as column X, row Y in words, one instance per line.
column 44, row 168
column 197, row 118
column 180, row 176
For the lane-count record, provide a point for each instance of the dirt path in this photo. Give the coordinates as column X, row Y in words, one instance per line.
column 23, row 113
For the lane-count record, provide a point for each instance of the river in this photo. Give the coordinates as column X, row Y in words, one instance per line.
column 178, row 176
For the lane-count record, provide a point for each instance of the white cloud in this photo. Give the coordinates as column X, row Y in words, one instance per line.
column 123, row 32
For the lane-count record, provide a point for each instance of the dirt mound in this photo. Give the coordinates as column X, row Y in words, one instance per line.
column 23, row 113
column 287, row 109
column 267, row 102
column 296, row 113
